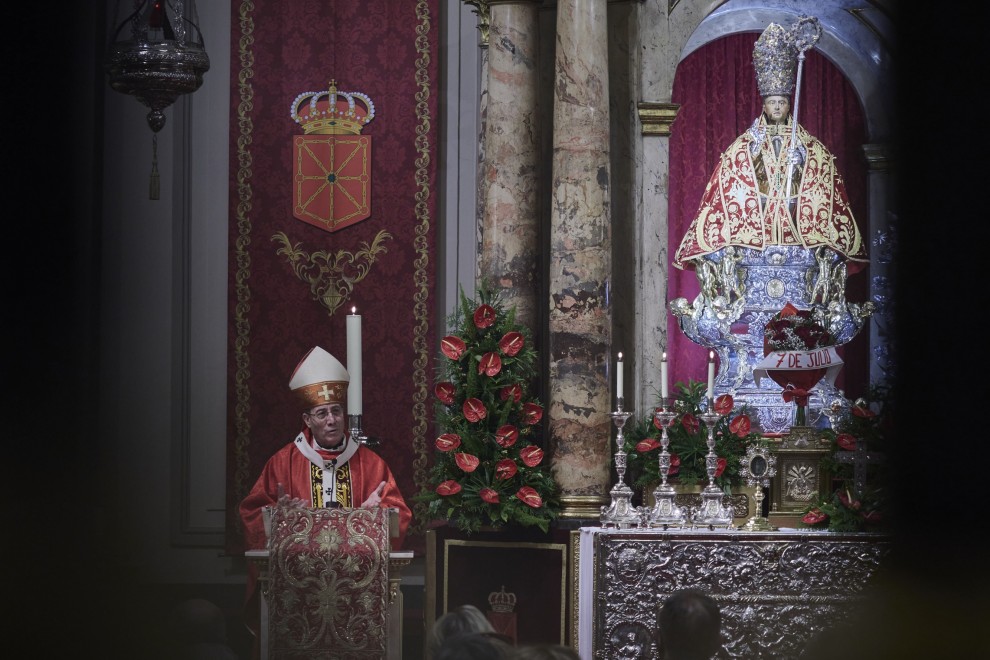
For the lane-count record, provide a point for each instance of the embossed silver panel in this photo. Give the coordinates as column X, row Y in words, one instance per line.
column 775, row 589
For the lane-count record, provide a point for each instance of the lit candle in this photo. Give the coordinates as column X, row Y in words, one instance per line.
column 618, row 378
column 711, row 375
column 663, row 376
column 354, row 362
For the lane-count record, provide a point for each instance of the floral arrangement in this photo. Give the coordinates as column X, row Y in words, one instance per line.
column 688, row 445
column 489, row 467
column 793, row 329
column 844, row 510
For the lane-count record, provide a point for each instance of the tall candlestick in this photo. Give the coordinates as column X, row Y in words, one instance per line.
column 354, row 402
column 711, row 375
column 618, row 377
column 663, row 376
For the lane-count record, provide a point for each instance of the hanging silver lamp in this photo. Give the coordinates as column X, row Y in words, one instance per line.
column 156, row 53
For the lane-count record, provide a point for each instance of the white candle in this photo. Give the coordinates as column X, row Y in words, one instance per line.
column 711, row 375
column 354, row 402
column 663, row 376
column 618, row 378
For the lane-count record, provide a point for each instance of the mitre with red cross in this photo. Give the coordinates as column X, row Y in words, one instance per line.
column 319, row 378
column 331, row 161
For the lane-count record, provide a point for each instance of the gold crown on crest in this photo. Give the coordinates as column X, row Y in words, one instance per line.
column 332, row 112
column 501, row 601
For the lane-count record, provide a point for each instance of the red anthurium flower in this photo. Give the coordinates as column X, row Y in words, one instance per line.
column 847, row 501
column 466, row 462
column 506, row 435
column 531, row 455
column 453, row 347
column 488, row 495
column 505, row 469
column 511, row 391
column 448, row 442
column 444, row 392
column 723, row 404
column 690, row 423
column 860, row 410
column 846, row 441
column 532, row 413
column 814, row 517
column 511, row 343
column 740, row 425
column 872, row 517
column 720, row 464
column 449, row 487
column 529, row 495
column 675, row 465
column 647, row 444
column 490, row 364
column 474, row 410
column 484, row 316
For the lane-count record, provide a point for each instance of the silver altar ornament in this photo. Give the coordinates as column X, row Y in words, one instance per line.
column 156, row 53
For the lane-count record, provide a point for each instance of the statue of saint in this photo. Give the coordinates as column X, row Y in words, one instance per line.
column 776, row 184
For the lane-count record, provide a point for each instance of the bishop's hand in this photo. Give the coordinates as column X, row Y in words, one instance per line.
column 375, row 498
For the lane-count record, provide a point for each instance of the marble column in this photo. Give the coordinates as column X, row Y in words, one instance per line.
column 882, row 248
column 580, row 320
column 510, row 216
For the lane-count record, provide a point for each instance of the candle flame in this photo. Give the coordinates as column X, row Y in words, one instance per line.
column 353, row 310
column 711, row 355
column 664, row 358
column 620, row 356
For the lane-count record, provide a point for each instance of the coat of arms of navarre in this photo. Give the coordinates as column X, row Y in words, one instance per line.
column 331, row 171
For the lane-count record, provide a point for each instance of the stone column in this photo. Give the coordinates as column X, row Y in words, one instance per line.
column 510, row 216
column 580, row 322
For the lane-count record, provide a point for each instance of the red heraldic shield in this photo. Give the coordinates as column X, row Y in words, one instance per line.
column 332, row 180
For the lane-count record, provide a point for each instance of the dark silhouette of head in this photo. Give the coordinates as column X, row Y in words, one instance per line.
column 690, row 625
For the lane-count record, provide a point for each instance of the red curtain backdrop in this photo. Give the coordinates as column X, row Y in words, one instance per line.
column 280, row 49
column 716, row 89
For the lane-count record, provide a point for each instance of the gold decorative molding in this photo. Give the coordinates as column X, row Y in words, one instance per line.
column 484, row 14
column 332, row 277
column 656, row 118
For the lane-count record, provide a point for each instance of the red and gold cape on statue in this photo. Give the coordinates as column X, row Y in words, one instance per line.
column 733, row 211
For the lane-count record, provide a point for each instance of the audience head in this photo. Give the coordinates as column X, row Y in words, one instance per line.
column 474, row 646
column 545, row 652
column 458, row 621
column 690, row 625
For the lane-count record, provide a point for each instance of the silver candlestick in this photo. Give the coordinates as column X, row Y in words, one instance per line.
column 712, row 513
column 620, row 513
column 357, row 433
column 665, row 512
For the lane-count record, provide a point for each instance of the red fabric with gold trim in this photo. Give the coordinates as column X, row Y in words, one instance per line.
column 328, row 590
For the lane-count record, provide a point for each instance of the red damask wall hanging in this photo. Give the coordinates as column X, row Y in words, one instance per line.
column 310, row 237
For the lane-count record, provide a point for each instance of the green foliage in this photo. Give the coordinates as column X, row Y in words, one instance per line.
column 689, row 441
column 844, row 510
column 468, row 377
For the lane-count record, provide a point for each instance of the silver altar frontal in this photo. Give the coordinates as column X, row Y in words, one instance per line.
column 776, row 589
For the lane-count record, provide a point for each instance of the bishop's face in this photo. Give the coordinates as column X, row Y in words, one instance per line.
column 327, row 424
column 776, row 109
